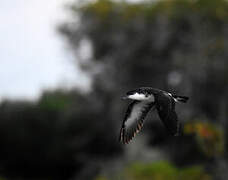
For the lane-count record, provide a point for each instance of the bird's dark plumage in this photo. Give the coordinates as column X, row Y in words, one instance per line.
column 165, row 105
column 144, row 99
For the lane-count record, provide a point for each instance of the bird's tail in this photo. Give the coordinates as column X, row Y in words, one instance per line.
column 182, row 99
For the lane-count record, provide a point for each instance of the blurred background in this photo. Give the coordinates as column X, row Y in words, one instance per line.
column 64, row 65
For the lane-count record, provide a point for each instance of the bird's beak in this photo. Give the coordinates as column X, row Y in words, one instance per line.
column 124, row 97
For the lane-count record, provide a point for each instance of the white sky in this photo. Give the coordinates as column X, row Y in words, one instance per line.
column 32, row 54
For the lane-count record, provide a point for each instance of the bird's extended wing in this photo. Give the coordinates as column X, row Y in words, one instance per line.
column 133, row 120
column 165, row 105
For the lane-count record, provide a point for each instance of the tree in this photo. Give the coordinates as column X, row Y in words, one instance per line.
column 177, row 45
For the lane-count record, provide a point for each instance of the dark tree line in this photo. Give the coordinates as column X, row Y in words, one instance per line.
column 56, row 137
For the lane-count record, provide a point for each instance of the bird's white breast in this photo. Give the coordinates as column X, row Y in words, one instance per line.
column 141, row 97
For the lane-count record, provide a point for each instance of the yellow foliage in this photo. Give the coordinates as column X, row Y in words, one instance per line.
column 209, row 137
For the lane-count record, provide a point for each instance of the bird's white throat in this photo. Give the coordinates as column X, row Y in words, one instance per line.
column 141, row 97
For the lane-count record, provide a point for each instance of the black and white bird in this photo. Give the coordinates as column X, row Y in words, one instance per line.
column 144, row 99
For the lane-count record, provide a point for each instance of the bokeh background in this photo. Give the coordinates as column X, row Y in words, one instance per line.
column 65, row 66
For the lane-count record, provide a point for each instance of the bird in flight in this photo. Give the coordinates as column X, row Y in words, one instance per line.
column 144, row 99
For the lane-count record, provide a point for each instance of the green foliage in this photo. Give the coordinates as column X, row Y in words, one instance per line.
column 162, row 170
column 55, row 100
column 103, row 9
column 194, row 173
column 100, row 178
